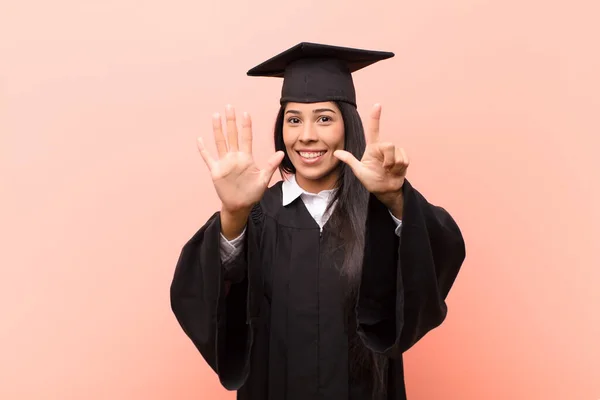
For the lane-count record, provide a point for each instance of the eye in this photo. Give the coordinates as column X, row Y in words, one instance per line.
column 324, row 118
column 294, row 120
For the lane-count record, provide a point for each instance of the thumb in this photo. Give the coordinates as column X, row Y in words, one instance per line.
column 272, row 164
column 347, row 158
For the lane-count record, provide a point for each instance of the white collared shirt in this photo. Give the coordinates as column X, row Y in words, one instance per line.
column 316, row 204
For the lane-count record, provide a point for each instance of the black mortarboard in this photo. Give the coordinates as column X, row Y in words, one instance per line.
column 315, row 72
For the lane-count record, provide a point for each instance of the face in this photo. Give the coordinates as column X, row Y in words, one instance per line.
column 311, row 133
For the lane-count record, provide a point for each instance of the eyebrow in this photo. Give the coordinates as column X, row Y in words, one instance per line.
column 318, row 110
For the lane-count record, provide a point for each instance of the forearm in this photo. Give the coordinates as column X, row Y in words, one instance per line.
column 233, row 222
column 394, row 202
column 397, row 207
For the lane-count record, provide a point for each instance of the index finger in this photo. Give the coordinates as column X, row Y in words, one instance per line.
column 246, row 143
column 373, row 130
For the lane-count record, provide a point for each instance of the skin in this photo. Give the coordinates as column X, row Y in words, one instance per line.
column 314, row 127
column 240, row 183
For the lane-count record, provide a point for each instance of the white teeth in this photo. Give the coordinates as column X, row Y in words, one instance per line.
column 311, row 154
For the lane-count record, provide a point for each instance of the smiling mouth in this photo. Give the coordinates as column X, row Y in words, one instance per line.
column 311, row 154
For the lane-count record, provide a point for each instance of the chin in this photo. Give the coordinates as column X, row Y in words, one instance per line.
column 316, row 175
column 312, row 174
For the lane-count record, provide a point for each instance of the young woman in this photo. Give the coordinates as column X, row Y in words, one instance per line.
column 314, row 288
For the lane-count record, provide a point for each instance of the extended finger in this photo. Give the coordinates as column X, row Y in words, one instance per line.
column 232, row 133
column 373, row 130
column 347, row 158
column 246, row 143
column 208, row 160
column 389, row 155
column 272, row 164
column 220, row 141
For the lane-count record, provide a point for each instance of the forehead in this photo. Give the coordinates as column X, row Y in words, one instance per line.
column 312, row 107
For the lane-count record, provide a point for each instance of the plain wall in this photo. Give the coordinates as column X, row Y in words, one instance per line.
column 496, row 103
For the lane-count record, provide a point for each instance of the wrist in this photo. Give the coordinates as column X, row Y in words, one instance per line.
column 394, row 201
column 233, row 222
column 235, row 213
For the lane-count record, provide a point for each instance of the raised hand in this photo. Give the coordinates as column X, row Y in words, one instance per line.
column 238, row 181
column 382, row 169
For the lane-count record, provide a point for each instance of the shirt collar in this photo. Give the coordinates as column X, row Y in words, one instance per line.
column 291, row 191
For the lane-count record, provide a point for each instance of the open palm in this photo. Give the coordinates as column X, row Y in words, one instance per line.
column 237, row 179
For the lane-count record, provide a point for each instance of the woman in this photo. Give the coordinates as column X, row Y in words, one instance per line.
column 304, row 290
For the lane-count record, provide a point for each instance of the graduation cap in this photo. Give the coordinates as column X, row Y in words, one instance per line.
column 315, row 72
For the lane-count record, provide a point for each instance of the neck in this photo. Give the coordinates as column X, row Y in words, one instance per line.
column 317, row 185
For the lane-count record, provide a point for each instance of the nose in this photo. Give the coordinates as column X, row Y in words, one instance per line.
column 308, row 134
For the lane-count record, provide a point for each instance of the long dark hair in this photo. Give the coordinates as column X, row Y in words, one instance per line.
column 348, row 219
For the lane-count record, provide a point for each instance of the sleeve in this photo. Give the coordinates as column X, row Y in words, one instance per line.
column 232, row 258
column 230, row 248
column 398, row 222
column 220, row 325
column 405, row 280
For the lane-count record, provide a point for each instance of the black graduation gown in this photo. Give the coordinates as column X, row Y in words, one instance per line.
column 278, row 332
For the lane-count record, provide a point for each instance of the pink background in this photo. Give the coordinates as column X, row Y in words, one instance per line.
column 496, row 102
